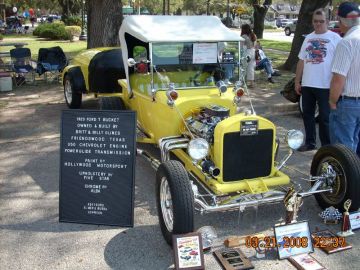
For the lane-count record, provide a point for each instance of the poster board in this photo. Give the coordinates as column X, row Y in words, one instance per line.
column 97, row 164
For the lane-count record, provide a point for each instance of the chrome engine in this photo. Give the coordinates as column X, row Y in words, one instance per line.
column 204, row 123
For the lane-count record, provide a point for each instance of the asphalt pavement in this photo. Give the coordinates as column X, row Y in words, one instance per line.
column 33, row 238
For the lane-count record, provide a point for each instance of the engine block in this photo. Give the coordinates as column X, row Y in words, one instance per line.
column 204, row 123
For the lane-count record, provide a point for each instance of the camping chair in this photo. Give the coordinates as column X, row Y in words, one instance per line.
column 22, row 66
column 51, row 62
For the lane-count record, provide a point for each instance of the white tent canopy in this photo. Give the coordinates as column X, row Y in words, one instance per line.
column 177, row 28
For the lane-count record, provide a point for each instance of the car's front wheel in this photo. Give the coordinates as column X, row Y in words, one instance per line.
column 175, row 200
column 72, row 97
column 287, row 31
column 342, row 166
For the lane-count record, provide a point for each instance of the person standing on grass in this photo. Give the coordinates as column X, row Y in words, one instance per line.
column 344, row 97
column 249, row 43
column 313, row 76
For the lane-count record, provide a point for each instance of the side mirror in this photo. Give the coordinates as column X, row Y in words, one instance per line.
column 131, row 62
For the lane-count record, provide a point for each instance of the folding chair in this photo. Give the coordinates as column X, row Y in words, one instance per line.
column 51, row 62
column 22, row 66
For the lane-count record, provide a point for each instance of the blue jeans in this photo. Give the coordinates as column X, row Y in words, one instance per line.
column 229, row 70
column 265, row 64
column 345, row 123
column 311, row 96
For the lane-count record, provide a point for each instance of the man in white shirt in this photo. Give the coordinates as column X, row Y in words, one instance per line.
column 344, row 97
column 313, row 76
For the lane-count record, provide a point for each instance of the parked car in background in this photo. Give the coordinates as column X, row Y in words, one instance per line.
column 290, row 27
column 334, row 26
column 284, row 22
column 281, row 22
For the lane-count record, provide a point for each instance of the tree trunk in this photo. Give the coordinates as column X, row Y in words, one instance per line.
column 259, row 17
column 104, row 20
column 303, row 27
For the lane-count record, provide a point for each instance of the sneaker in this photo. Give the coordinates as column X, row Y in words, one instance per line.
column 306, row 147
column 276, row 73
column 270, row 80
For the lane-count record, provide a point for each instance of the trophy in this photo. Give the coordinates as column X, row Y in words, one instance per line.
column 293, row 202
column 331, row 215
column 261, row 249
column 208, row 235
column 346, row 227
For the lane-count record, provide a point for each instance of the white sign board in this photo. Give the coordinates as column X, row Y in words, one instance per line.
column 354, row 220
column 204, row 53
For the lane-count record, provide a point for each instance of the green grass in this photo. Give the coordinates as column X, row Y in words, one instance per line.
column 277, row 45
column 34, row 44
column 277, row 51
column 19, row 36
column 69, row 48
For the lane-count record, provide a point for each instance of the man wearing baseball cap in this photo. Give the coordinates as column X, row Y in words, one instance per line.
column 344, row 97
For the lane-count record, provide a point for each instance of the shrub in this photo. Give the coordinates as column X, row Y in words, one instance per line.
column 1, row 37
column 73, row 20
column 73, row 31
column 54, row 31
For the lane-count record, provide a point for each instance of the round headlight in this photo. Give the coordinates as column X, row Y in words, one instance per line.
column 198, row 148
column 295, row 138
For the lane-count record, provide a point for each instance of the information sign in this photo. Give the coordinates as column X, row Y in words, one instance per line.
column 97, row 163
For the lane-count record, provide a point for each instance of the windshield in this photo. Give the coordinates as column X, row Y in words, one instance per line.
column 189, row 64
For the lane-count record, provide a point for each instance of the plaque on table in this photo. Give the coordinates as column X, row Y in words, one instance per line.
column 329, row 242
column 305, row 262
column 232, row 259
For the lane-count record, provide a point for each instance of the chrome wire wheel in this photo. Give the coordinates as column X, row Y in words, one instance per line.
column 68, row 91
column 339, row 183
column 174, row 200
column 339, row 168
column 166, row 204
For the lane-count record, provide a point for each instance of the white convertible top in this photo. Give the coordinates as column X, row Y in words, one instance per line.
column 149, row 28
column 177, row 28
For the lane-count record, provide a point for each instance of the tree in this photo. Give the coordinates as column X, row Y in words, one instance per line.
column 70, row 7
column 259, row 16
column 104, row 20
column 304, row 26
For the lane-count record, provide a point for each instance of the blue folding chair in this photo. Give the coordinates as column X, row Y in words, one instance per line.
column 51, row 62
column 22, row 66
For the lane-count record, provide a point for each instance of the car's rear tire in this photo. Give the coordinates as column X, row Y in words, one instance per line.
column 111, row 103
column 287, row 31
column 346, row 185
column 72, row 97
column 301, row 110
column 175, row 200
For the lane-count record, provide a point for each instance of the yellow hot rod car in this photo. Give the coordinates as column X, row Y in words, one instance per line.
column 183, row 76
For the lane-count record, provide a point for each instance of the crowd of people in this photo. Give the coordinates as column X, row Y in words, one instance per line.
column 326, row 76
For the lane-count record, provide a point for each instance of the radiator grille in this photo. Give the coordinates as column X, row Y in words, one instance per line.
column 247, row 157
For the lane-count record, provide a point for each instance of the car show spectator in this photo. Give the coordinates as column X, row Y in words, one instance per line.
column 344, row 97
column 249, row 44
column 262, row 62
column 313, row 76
